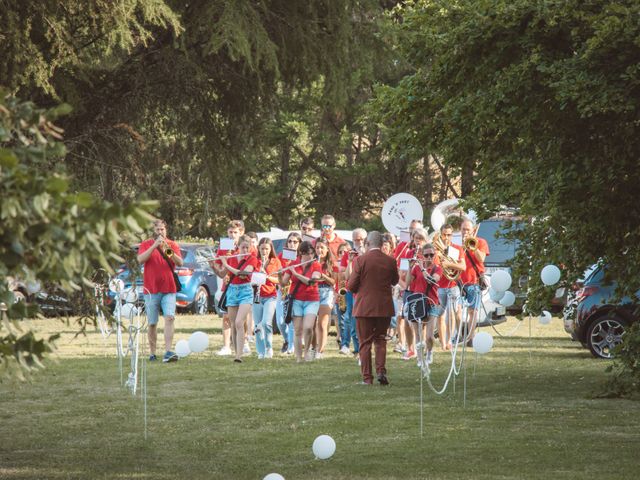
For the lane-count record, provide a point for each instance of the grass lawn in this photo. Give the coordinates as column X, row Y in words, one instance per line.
column 530, row 413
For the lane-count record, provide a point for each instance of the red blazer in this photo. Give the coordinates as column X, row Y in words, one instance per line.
column 373, row 275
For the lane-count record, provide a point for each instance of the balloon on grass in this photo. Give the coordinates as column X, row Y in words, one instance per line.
column 182, row 348
column 495, row 296
column 324, row 447
column 198, row 342
column 482, row 342
column 545, row 318
column 508, row 299
column 550, row 275
column 273, row 476
column 500, row 281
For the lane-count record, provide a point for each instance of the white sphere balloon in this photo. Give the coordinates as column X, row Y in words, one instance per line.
column 482, row 342
column 508, row 299
column 182, row 348
column 550, row 275
column 324, row 447
column 198, row 342
column 500, row 280
column 130, row 295
column 545, row 318
column 273, row 476
column 495, row 296
column 116, row 285
column 129, row 310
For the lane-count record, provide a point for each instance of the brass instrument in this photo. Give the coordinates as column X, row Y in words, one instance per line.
column 168, row 251
column 342, row 296
column 471, row 242
column 450, row 274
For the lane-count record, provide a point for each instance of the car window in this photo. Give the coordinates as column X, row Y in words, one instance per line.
column 204, row 254
column 501, row 250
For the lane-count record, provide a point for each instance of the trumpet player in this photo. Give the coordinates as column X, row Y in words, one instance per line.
column 349, row 331
column 452, row 258
column 476, row 250
column 159, row 257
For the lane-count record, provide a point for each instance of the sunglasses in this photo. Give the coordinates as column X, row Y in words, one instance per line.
column 327, row 227
column 429, row 255
column 293, row 241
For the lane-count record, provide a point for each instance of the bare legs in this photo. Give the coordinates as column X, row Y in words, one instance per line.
column 237, row 317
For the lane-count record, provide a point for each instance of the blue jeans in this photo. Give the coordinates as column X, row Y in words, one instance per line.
column 348, row 332
column 262, row 318
column 285, row 330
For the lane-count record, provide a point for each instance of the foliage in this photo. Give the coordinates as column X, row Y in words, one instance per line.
column 48, row 232
column 625, row 380
column 541, row 100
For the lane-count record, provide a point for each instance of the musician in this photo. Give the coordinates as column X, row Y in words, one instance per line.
column 304, row 275
column 326, row 289
column 340, row 305
column 264, row 306
column 235, row 228
column 240, row 292
column 423, row 277
column 286, row 330
column 373, row 275
column 349, row 330
column 306, row 229
column 404, row 246
column 470, row 278
column 328, row 227
column 160, row 287
column 448, row 291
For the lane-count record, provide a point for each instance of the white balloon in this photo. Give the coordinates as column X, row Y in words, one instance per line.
column 324, row 447
column 508, row 299
column 129, row 310
column 33, row 287
column 550, row 275
column 182, row 348
column 116, row 285
column 273, row 476
column 545, row 318
column 482, row 342
column 500, row 281
column 495, row 296
column 130, row 295
column 198, row 342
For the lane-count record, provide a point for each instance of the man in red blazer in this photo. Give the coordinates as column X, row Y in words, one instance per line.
column 372, row 278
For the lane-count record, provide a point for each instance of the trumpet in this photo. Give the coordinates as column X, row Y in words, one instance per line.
column 450, row 274
column 168, row 251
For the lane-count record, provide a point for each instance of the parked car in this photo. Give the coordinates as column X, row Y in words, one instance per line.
column 199, row 281
column 593, row 316
column 52, row 303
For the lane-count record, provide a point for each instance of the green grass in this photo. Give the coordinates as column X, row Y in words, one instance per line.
column 530, row 413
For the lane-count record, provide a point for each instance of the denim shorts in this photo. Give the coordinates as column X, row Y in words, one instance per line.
column 326, row 296
column 241, row 294
column 471, row 295
column 302, row 308
column 434, row 310
column 443, row 295
column 154, row 301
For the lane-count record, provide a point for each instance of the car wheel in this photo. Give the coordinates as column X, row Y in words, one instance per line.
column 604, row 334
column 201, row 301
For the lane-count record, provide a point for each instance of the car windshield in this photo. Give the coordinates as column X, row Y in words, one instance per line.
column 501, row 250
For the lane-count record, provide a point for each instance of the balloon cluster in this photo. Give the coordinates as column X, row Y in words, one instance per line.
column 323, row 447
column 198, row 342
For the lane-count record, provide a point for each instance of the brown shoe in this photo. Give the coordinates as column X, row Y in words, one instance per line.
column 382, row 379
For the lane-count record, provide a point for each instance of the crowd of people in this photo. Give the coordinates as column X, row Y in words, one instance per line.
column 315, row 279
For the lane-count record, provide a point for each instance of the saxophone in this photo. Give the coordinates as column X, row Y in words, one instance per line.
column 342, row 296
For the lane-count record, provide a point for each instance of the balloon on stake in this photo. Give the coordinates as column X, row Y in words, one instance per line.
column 273, row 476
column 324, row 447
column 198, row 342
column 129, row 310
column 495, row 296
column 508, row 299
column 545, row 318
column 482, row 342
column 182, row 348
column 550, row 275
column 500, row 281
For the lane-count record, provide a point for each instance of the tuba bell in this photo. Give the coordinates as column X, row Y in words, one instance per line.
column 450, row 274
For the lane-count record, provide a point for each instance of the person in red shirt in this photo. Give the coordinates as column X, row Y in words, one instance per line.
column 286, row 329
column 423, row 277
column 239, row 291
column 326, row 289
column 160, row 287
column 304, row 275
column 328, row 224
column 235, row 229
column 264, row 304
column 402, row 247
column 452, row 259
column 349, row 330
column 471, row 277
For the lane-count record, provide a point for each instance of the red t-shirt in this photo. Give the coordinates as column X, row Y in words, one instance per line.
column 308, row 293
column 401, row 251
column 444, row 282
column 420, row 284
column 241, row 263
column 269, row 287
column 469, row 276
column 158, row 276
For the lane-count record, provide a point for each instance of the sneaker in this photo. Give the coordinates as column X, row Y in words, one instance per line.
column 269, row 353
column 224, row 352
column 290, row 351
column 409, row 355
column 359, row 361
column 398, row 348
column 420, row 362
column 344, row 350
column 319, row 355
column 260, row 356
column 169, row 357
column 285, row 347
column 152, row 357
column 247, row 349
column 308, row 357
column 429, row 357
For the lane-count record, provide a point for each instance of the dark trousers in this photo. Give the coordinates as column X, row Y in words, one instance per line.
column 372, row 330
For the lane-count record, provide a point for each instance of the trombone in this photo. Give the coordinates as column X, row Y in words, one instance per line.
column 471, row 242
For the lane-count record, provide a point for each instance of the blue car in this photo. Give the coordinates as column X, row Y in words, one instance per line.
column 199, row 281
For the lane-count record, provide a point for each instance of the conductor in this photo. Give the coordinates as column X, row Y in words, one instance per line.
column 372, row 279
